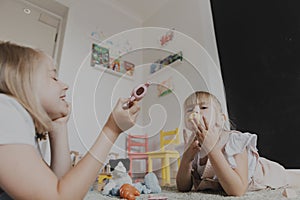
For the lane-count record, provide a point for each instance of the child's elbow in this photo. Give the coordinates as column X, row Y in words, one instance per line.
column 183, row 187
column 238, row 192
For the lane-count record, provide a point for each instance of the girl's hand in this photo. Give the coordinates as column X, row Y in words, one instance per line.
column 207, row 136
column 122, row 119
column 192, row 150
column 61, row 123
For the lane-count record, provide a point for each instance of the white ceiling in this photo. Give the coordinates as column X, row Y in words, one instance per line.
column 139, row 9
column 50, row 5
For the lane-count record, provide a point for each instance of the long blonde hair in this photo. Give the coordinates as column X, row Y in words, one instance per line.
column 18, row 72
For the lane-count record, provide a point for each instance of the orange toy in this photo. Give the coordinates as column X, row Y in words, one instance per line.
column 129, row 192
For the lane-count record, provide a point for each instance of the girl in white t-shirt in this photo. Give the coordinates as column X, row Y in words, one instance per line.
column 219, row 158
column 32, row 100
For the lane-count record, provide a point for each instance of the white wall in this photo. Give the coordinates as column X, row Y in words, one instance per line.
column 92, row 92
column 194, row 36
column 193, row 21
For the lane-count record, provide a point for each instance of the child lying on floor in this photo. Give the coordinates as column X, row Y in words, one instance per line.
column 217, row 158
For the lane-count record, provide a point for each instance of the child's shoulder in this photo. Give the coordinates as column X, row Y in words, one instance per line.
column 237, row 141
column 16, row 124
column 11, row 108
column 234, row 134
column 7, row 100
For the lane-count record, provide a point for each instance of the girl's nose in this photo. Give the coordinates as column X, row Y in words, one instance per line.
column 196, row 109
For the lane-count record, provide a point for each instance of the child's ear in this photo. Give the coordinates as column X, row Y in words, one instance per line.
column 224, row 118
column 221, row 120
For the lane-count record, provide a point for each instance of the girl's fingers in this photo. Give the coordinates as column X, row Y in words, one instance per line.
column 196, row 145
column 205, row 123
column 194, row 126
column 185, row 137
column 135, row 108
column 198, row 125
column 123, row 100
column 134, row 116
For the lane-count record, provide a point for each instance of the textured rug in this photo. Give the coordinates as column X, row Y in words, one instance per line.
column 173, row 194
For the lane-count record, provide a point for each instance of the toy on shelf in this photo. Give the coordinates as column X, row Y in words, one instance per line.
column 129, row 192
column 137, row 94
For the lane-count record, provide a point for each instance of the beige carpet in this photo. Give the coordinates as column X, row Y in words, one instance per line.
column 172, row 194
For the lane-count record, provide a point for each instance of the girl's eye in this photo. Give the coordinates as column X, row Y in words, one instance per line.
column 189, row 110
column 54, row 78
column 203, row 107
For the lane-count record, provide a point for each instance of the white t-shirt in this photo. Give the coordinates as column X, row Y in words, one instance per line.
column 16, row 124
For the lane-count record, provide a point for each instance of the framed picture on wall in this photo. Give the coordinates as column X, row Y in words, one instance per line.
column 122, row 67
column 128, row 68
column 100, row 56
column 165, row 87
column 100, row 59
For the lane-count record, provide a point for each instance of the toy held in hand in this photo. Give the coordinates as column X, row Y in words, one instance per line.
column 195, row 116
column 129, row 192
column 137, row 94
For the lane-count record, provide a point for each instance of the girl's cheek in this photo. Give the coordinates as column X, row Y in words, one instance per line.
column 188, row 124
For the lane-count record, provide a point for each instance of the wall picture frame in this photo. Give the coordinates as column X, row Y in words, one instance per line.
column 99, row 56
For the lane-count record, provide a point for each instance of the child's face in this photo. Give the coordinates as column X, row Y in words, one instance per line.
column 203, row 108
column 52, row 91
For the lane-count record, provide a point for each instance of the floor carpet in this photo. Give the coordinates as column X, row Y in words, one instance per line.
column 173, row 194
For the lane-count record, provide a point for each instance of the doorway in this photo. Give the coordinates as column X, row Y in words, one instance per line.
column 28, row 24
column 36, row 23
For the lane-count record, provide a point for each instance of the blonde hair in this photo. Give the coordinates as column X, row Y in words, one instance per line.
column 196, row 97
column 18, row 72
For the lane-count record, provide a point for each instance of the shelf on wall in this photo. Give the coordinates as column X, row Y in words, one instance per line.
column 166, row 62
column 164, row 68
column 110, row 71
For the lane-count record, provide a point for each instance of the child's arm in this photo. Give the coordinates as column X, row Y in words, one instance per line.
column 59, row 145
column 233, row 181
column 24, row 175
column 184, row 177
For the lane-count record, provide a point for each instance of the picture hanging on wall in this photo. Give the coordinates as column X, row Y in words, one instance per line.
column 167, row 37
column 165, row 87
column 159, row 64
column 100, row 56
column 128, row 68
column 123, row 67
